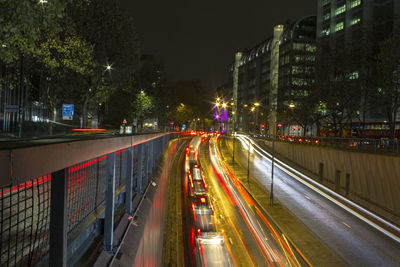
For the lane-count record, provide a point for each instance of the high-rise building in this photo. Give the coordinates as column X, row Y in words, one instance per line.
column 271, row 75
column 349, row 33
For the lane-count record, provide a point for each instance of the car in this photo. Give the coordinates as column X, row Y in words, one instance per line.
column 211, row 250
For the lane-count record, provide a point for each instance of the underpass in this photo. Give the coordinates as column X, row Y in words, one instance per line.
column 121, row 202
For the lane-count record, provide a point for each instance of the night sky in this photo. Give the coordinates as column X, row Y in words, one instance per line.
column 198, row 39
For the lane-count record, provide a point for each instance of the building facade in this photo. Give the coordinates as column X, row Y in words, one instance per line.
column 269, row 77
column 354, row 30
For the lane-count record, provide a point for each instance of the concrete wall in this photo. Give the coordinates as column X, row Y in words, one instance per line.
column 373, row 179
column 22, row 164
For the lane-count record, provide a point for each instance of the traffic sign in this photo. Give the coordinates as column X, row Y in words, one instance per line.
column 68, row 111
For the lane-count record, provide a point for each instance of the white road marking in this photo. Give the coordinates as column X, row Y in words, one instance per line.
column 308, row 197
column 346, row 225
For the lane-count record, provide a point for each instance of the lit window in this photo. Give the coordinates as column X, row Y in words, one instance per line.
column 340, row 10
column 326, row 16
column 297, row 81
column 298, row 46
column 325, row 2
column 355, row 21
column 339, row 26
column 325, row 32
column 310, row 48
column 354, row 75
column 355, row 3
column 296, row 70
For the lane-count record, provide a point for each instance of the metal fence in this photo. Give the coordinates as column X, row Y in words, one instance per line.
column 24, row 217
column 25, row 209
column 383, row 145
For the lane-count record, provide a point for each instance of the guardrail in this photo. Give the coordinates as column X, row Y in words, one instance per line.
column 358, row 144
column 74, row 198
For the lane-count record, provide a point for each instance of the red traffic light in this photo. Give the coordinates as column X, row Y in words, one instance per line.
column 279, row 125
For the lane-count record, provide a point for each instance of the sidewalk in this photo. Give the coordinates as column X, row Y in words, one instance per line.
column 313, row 249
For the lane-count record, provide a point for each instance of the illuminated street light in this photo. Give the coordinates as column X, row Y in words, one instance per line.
column 224, row 105
column 253, row 108
column 245, row 105
column 108, row 67
column 217, row 104
column 42, row 1
column 218, row 99
column 292, row 105
column 256, row 104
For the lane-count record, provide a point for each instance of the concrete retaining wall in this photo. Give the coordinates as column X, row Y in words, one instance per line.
column 371, row 180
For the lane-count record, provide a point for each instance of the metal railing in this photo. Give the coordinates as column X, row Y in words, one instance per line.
column 28, row 209
column 356, row 144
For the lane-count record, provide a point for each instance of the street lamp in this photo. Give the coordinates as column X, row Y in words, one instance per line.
column 273, row 157
column 248, row 163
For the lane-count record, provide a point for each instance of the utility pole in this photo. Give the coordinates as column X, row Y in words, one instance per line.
column 272, row 160
column 248, row 163
column 234, row 137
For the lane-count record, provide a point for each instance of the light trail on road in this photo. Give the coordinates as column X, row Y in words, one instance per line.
column 357, row 237
column 310, row 183
column 275, row 249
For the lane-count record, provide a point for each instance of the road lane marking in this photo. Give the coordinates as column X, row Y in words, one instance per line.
column 318, row 188
column 308, row 197
column 346, row 225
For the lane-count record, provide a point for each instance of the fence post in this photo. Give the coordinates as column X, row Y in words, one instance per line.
column 140, row 169
column 59, row 218
column 129, row 181
column 109, row 213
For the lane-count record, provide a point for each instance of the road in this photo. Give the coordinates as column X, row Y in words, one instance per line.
column 355, row 241
column 253, row 239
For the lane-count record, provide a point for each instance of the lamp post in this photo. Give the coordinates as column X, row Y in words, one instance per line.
column 234, row 137
column 271, row 199
column 248, row 163
column 256, row 129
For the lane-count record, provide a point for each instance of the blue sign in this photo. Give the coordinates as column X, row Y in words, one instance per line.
column 68, row 111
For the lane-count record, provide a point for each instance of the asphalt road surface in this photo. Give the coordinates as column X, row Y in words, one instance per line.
column 355, row 241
